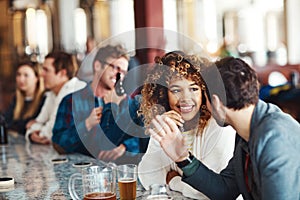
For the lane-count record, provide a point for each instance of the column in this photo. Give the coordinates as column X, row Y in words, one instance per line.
column 148, row 13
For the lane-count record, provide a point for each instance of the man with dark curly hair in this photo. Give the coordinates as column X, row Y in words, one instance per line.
column 266, row 162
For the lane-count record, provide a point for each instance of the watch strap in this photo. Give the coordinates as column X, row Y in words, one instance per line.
column 185, row 162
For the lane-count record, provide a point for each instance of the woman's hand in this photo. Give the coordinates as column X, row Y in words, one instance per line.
column 166, row 132
column 175, row 116
column 29, row 124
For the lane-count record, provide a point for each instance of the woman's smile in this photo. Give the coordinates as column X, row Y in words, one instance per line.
column 185, row 108
column 185, row 97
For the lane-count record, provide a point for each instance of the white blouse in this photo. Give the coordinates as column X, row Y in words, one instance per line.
column 214, row 147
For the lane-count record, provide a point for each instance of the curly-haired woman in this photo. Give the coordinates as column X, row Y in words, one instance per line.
column 175, row 88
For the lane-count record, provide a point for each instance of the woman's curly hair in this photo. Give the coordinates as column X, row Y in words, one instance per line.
column 155, row 90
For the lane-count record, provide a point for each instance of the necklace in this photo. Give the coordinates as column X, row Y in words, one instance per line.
column 190, row 138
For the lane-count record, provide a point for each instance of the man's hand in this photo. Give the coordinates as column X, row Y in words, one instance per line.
column 112, row 97
column 112, row 154
column 94, row 118
column 35, row 137
column 166, row 132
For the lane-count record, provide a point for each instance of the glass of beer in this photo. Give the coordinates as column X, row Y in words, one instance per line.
column 98, row 182
column 127, row 180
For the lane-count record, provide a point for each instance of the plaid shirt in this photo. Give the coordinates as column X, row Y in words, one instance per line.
column 119, row 125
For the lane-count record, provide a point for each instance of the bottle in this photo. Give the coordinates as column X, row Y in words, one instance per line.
column 3, row 132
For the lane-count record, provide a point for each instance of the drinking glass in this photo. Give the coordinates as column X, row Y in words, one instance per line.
column 127, row 181
column 98, row 182
column 159, row 192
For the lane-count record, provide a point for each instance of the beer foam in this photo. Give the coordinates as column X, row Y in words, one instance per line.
column 127, row 180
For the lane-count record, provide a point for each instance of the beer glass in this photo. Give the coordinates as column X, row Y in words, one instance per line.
column 127, row 181
column 98, row 182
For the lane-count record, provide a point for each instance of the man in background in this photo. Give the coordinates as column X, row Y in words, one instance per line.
column 59, row 70
column 95, row 120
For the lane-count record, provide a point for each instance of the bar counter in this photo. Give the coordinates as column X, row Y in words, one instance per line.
column 37, row 177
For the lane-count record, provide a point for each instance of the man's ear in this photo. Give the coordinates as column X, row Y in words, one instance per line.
column 219, row 110
column 63, row 72
column 97, row 66
column 215, row 101
column 208, row 103
column 218, row 104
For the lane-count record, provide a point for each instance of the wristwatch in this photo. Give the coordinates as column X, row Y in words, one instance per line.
column 185, row 162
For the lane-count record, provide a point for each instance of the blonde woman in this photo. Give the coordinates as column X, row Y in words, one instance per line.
column 28, row 99
column 176, row 89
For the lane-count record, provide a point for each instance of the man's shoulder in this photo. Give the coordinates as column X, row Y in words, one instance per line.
column 72, row 86
column 277, row 122
column 274, row 130
column 134, row 99
column 269, row 120
column 76, row 81
column 67, row 98
column 83, row 92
